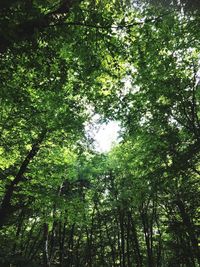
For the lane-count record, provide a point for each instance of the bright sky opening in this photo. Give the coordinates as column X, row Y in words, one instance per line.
column 104, row 135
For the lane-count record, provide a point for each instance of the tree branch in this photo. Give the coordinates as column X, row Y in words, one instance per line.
column 108, row 26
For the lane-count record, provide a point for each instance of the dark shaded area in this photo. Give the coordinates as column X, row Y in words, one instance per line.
column 24, row 20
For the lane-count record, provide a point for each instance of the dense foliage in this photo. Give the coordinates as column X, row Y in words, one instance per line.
column 62, row 202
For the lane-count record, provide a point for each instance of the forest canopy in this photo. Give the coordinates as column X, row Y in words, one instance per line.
column 62, row 203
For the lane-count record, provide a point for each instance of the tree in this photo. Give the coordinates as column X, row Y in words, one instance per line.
column 63, row 203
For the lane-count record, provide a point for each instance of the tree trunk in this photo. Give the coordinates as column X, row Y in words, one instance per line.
column 190, row 229
column 62, row 232
column 135, row 241
column 6, row 207
column 128, row 241
column 121, row 221
column 46, row 262
column 147, row 234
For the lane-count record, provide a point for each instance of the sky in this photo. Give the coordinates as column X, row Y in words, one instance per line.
column 103, row 134
column 106, row 135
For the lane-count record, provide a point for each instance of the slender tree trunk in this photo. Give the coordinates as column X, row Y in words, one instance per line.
column 52, row 238
column 29, row 239
column 77, row 258
column 62, row 233
column 71, row 246
column 19, row 227
column 46, row 262
column 128, row 241
column 190, row 229
column 113, row 254
column 6, row 208
column 159, row 247
column 37, row 244
column 89, row 248
column 118, row 243
column 147, row 234
column 135, row 241
column 121, row 221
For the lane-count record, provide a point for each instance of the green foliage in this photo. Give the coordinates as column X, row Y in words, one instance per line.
column 64, row 204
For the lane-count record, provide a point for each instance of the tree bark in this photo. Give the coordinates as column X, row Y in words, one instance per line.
column 135, row 241
column 6, row 207
column 190, row 228
column 147, row 234
column 46, row 262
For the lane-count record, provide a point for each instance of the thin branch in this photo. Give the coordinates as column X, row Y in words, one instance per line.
column 108, row 26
